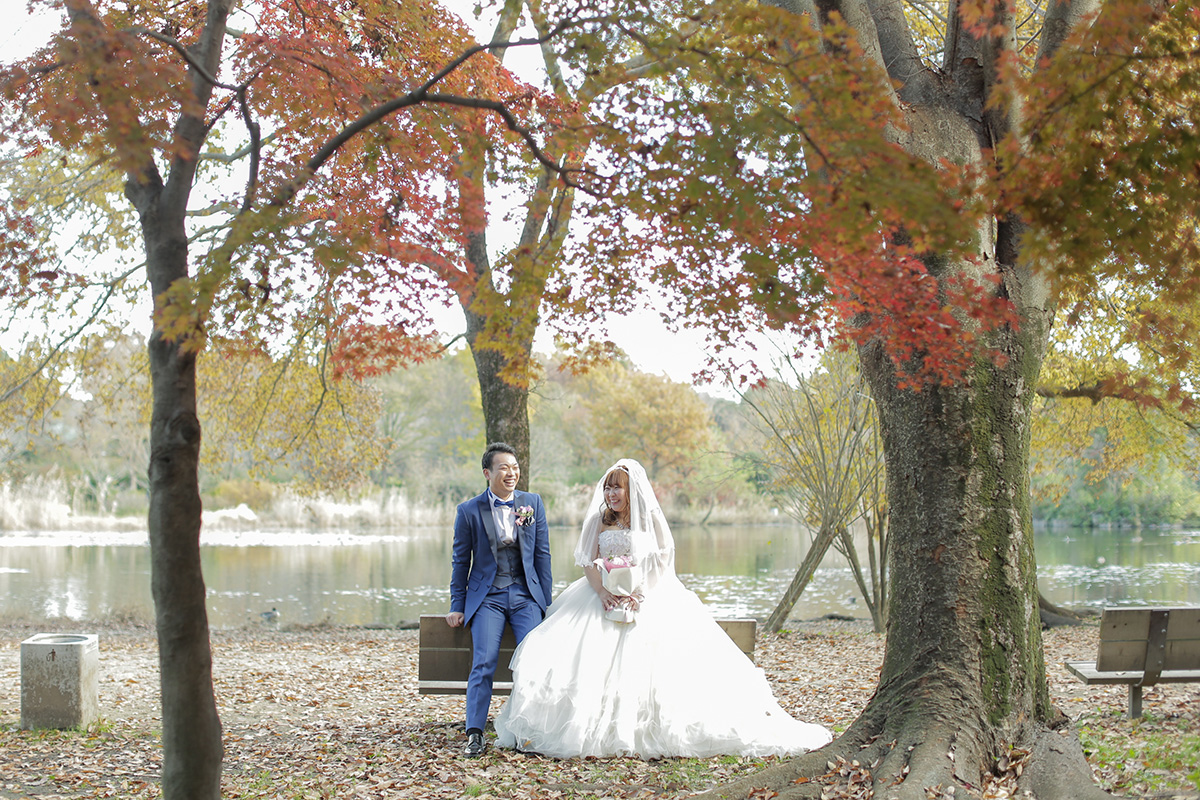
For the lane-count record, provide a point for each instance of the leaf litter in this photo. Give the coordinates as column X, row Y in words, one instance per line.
column 325, row 712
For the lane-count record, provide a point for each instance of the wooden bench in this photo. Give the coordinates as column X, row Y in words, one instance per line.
column 444, row 655
column 1142, row 647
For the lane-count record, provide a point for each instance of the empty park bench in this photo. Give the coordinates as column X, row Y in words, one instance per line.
column 1142, row 647
column 444, row 654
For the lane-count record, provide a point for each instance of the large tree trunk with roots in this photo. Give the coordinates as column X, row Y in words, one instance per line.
column 962, row 696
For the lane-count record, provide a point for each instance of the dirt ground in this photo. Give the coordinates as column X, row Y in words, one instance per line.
column 334, row 712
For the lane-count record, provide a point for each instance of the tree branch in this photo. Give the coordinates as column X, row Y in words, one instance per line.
column 190, row 126
column 238, row 155
column 1063, row 17
column 898, row 52
column 449, row 342
column 62, row 343
column 255, row 150
column 1094, row 392
column 184, row 53
column 422, row 95
column 860, row 15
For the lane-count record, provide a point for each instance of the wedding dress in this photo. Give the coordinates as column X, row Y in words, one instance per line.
column 670, row 683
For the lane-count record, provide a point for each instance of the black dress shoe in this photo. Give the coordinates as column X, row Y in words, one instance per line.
column 475, row 745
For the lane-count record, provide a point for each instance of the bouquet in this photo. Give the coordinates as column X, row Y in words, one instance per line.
column 620, row 577
column 524, row 516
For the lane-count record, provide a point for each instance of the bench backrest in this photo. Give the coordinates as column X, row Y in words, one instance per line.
column 1127, row 635
column 445, row 653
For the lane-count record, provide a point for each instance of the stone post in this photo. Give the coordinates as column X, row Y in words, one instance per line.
column 60, row 680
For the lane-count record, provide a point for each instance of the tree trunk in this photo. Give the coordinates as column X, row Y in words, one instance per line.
column 801, row 579
column 192, row 750
column 848, row 549
column 505, row 406
column 962, row 693
column 491, row 315
column 963, row 678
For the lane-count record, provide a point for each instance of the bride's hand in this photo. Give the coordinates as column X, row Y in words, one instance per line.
column 608, row 600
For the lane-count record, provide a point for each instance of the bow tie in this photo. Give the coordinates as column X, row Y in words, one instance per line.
column 499, row 502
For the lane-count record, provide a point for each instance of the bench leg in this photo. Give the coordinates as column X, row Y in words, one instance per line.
column 1135, row 701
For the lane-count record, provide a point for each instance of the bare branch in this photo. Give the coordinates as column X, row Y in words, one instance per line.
column 515, row 126
column 450, row 342
column 1095, row 392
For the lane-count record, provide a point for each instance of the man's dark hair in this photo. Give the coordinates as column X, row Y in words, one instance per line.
column 496, row 447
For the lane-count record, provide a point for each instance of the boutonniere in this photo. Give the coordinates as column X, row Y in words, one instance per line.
column 524, row 516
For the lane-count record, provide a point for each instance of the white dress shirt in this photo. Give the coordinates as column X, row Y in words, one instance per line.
column 505, row 517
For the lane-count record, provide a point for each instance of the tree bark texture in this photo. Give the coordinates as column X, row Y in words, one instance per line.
column 963, row 679
column 963, row 675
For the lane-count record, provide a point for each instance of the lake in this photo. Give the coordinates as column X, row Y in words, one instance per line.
column 349, row 578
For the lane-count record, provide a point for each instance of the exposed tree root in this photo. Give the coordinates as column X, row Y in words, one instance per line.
column 1053, row 616
column 934, row 765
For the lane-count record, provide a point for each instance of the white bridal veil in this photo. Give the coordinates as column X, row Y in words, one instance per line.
column 653, row 547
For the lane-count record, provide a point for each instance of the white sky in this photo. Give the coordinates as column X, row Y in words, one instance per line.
column 643, row 335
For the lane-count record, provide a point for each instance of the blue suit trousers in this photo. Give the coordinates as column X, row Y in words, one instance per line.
column 512, row 604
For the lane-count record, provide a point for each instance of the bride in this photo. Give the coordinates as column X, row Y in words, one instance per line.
column 639, row 668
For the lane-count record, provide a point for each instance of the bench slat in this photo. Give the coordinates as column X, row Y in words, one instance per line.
column 1086, row 671
column 1184, row 624
column 1124, row 624
column 1182, row 654
column 436, row 633
column 1121, row 656
column 440, row 662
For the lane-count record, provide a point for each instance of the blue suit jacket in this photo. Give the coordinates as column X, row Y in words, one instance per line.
column 473, row 562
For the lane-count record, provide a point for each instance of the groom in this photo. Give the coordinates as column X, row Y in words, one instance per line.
column 500, row 572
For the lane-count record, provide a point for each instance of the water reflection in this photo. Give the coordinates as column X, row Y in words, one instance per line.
column 1119, row 567
column 361, row 579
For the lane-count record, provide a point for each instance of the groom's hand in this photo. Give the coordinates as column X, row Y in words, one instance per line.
column 454, row 619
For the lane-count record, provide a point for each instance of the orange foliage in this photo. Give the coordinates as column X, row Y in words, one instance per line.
column 752, row 165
